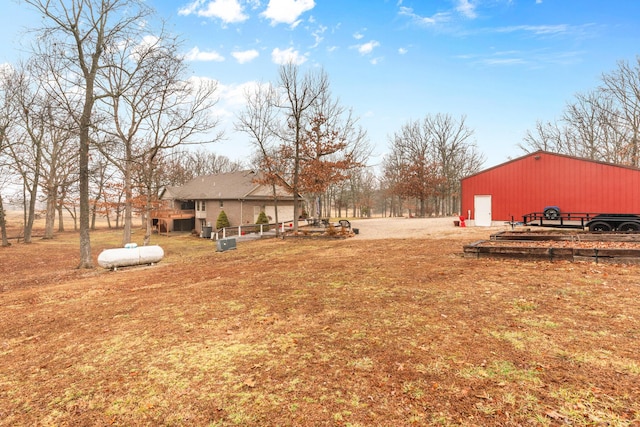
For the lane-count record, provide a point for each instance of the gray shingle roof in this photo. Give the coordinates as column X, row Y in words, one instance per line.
column 225, row 186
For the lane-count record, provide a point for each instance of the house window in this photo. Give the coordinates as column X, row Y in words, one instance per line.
column 186, row 205
column 221, row 204
column 202, row 206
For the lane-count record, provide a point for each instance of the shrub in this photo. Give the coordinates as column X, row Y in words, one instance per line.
column 262, row 219
column 222, row 221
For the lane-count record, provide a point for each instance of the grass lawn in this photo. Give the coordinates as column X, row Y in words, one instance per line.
column 315, row 333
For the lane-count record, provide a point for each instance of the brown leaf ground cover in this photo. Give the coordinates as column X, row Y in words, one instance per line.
column 315, row 333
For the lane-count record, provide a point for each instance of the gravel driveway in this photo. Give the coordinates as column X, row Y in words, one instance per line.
column 418, row 228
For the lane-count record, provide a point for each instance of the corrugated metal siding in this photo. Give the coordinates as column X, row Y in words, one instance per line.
column 530, row 183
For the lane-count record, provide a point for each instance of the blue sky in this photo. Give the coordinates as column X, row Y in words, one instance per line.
column 504, row 64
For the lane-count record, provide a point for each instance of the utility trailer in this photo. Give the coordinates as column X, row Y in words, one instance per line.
column 614, row 222
column 560, row 219
column 553, row 217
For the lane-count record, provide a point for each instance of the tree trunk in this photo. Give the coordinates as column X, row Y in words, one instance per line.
column 275, row 207
column 147, row 210
column 60, row 215
column 51, row 214
column 85, row 237
column 3, row 225
column 128, row 197
column 33, row 194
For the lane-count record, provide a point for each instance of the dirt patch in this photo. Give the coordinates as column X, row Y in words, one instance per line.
column 418, row 228
column 356, row 332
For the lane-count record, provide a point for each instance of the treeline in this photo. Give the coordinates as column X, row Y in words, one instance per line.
column 105, row 112
column 89, row 121
column 601, row 124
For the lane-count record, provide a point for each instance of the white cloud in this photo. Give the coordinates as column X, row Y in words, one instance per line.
column 6, row 69
column 196, row 54
column 191, row 8
column 234, row 95
column 466, row 8
column 318, row 35
column 504, row 61
column 138, row 50
column 424, row 20
column 245, row 56
column 367, row 47
column 282, row 57
column 287, row 11
column 358, row 36
column 229, row 11
column 531, row 59
column 536, row 29
column 402, row 51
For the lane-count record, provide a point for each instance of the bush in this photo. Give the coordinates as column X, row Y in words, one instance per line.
column 262, row 219
column 331, row 230
column 222, row 221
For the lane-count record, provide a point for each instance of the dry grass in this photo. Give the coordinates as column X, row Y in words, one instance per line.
column 353, row 333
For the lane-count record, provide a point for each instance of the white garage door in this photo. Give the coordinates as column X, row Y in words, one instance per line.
column 285, row 213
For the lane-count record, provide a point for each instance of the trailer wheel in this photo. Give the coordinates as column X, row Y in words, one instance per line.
column 599, row 226
column 629, row 226
column 551, row 213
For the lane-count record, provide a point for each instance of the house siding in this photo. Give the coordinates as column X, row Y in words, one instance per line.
column 241, row 194
column 234, row 209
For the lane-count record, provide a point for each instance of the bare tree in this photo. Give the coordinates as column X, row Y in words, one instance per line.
column 180, row 165
column 333, row 147
column 303, row 135
column 7, row 118
column 583, row 130
column 391, row 178
column 417, row 166
column 603, row 124
column 84, row 30
column 585, row 127
column 428, row 159
column 455, row 154
column 299, row 94
column 547, row 136
column 361, row 189
column 203, row 162
column 30, row 132
column 107, row 180
column 150, row 107
column 259, row 120
column 623, row 87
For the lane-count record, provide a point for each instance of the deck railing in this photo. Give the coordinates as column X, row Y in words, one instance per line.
column 250, row 229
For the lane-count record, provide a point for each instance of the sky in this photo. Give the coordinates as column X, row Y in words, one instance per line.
column 503, row 65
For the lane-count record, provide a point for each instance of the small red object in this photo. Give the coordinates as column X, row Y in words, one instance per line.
column 462, row 224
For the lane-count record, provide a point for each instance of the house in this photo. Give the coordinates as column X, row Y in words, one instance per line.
column 198, row 203
column 540, row 179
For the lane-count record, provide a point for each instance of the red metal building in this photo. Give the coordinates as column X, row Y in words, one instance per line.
column 532, row 182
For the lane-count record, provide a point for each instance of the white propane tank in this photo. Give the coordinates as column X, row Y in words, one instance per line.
column 130, row 255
